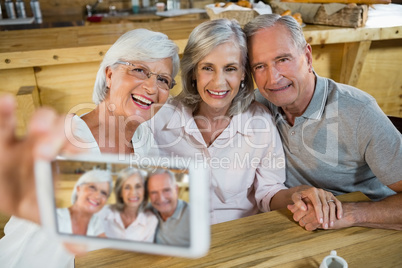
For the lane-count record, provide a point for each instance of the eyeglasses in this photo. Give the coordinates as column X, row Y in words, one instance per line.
column 163, row 81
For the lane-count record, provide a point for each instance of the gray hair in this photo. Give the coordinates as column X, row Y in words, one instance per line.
column 121, row 179
column 202, row 40
column 92, row 176
column 269, row 20
column 136, row 45
column 159, row 171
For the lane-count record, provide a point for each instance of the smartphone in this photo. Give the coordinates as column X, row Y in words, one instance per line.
column 71, row 186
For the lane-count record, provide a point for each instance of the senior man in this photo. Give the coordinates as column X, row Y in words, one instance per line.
column 173, row 214
column 335, row 136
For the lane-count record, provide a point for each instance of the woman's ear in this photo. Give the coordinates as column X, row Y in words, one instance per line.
column 109, row 73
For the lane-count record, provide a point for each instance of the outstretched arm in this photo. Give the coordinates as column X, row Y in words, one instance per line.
column 322, row 204
column 44, row 140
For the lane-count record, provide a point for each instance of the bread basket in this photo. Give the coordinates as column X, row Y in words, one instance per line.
column 242, row 16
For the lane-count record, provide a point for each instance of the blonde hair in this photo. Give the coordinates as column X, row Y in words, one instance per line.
column 202, row 40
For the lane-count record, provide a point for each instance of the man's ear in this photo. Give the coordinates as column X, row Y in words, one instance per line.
column 177, row 189
column 309, row 56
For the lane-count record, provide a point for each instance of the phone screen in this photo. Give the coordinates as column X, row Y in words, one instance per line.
column 122, row 202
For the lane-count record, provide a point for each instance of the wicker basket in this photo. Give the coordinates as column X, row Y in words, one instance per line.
column 242, row 16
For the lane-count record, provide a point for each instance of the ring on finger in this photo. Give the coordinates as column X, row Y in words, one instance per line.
column 329, row 201
column 302, row 221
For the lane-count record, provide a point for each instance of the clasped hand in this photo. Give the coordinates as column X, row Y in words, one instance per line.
column 315, row 208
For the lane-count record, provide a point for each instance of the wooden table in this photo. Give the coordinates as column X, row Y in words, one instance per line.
column 272, row 239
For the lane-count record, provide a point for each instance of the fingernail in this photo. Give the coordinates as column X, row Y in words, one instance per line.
column 321, row 220
column 331, row 223
column 326, row 226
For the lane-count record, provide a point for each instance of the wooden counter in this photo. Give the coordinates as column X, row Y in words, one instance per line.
column 271, row 239
column 61, row 63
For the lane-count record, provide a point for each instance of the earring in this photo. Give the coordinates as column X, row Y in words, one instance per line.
column 193, row 83
column 242, row 84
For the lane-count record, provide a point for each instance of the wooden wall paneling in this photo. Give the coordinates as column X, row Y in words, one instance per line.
column 21, row 40
column 28, row 101
column 352, row 62
column 12, row 81
column 327, row 60
column 381, row 75
column 50, row 57
column 68, row 87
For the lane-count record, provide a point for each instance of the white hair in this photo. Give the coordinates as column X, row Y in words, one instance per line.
column 135, row 45
column 94, row 176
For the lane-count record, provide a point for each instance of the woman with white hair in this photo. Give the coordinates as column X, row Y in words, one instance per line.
column 129, row 218
column 132, row 83
column 89, row 196
column 25, row 244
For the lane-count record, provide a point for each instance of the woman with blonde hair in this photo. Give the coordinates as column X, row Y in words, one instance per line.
column 129, row 217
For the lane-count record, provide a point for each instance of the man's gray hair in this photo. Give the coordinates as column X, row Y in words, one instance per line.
column 135, row 45
column 269, row 20
column 202, row 40
column 163, row 171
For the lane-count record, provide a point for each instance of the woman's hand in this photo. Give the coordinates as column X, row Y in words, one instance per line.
column 45, row 139
column 315, row 208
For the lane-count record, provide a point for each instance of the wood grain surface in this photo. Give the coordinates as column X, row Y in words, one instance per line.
column 271, row 239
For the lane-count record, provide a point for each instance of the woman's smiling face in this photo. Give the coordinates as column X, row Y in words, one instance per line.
column 92, row 196
column 132, row 191
column 219, row 76
column 134, row 98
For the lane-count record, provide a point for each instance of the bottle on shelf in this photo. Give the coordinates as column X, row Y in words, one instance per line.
column 135, row 5
column 20, row 9
column 35, row 6
column 10, row 9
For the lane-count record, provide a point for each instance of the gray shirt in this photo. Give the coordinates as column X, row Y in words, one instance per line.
column 175, row 230
column 342, row 143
